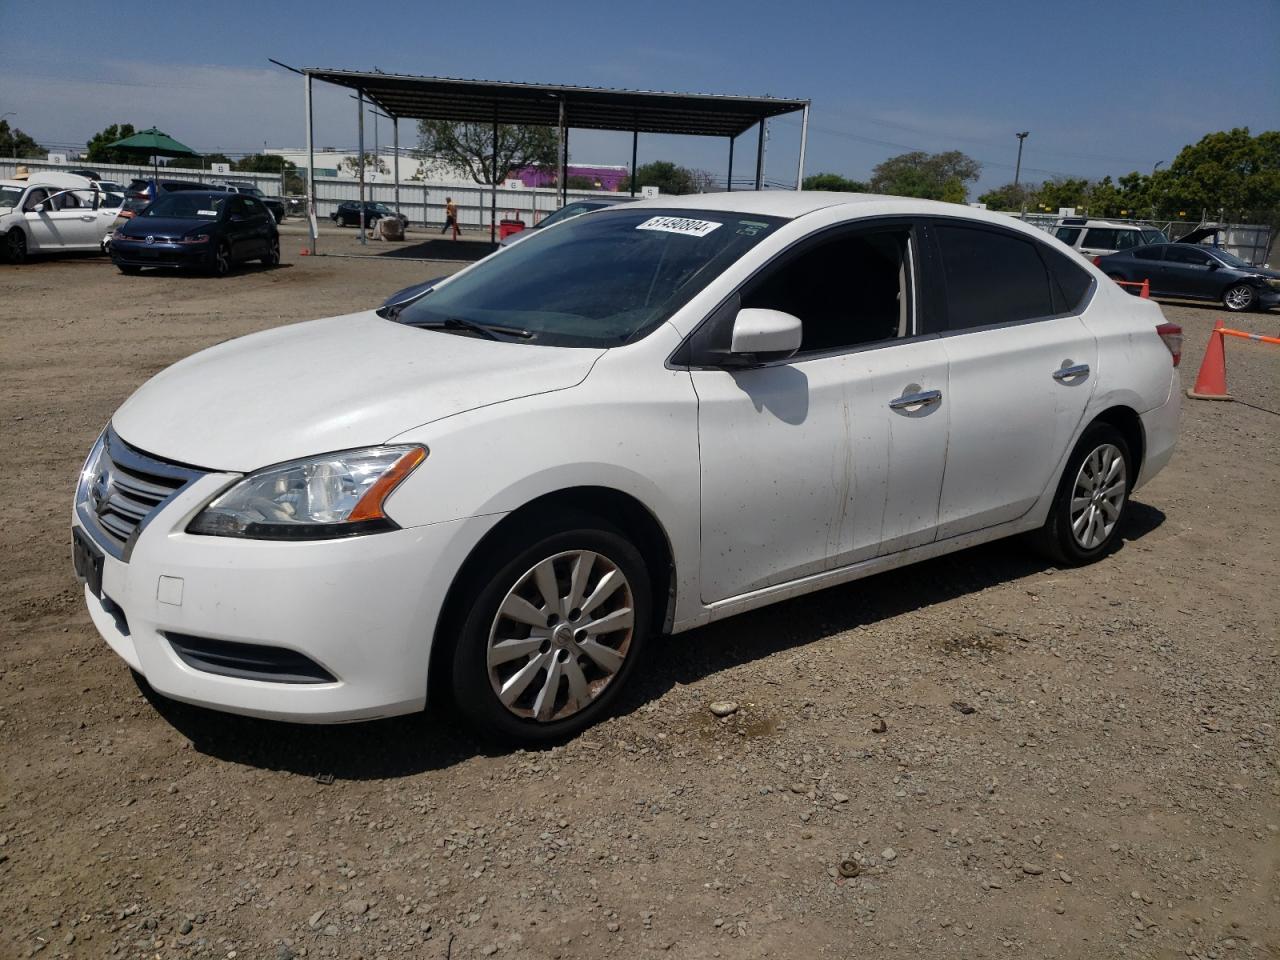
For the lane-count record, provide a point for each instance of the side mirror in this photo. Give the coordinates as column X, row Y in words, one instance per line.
column 761, row 336
column 1214, row 265
column 38, row 208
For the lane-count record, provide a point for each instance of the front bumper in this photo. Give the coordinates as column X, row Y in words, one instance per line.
column 363, row 608
column 175, row 256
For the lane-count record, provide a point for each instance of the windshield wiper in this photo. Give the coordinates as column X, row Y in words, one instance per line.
column 484, row 330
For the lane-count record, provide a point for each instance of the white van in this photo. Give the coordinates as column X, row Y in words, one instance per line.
column 1098, row 238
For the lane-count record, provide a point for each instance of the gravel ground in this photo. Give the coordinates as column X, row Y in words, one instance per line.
column 981, row 756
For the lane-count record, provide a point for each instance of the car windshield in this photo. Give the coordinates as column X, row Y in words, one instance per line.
column 186, row 206
column 1230, row 259
column 9, row 196
column 569, row 211
column 595, row 281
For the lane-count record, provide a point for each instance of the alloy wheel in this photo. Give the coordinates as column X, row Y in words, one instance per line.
column 1239, row 297
column 561, row 634
column 1098, row 496
column 17, row 246
column 222, row 261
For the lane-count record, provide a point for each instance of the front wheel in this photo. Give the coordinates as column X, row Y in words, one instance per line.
column 272, row 258
column 1239, row 298
column 222, row 260
column 15, row 246
column 552, row 634
column 1085, row 518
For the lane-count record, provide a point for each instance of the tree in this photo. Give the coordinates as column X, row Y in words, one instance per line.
column 833, row 181
column 702, row 181
column 15, row 143
column 470, row 147
column 578, row 182
column 372, row 162
column 99, row 152
column 1063, row 192
column 1009, row 197
column 666, row 176
column 1230, row 172
column 292, row 180
column 934, row 176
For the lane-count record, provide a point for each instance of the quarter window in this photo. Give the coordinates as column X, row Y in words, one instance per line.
column 1101, row 238
column 995, row 277
column 847, row 291
column 1068, row 235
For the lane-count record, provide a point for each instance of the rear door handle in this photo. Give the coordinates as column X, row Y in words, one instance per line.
column 1070, row 373
column 923, row 399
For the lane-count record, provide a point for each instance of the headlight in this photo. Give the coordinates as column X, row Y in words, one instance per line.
column 1273, row 283
column 335, row 495
column 195, row 238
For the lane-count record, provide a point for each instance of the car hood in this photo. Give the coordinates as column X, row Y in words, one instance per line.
column 165, row 226
column 326, row 385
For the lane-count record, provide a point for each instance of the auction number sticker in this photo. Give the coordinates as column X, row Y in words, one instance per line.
column 681, row 225
column 206, row 213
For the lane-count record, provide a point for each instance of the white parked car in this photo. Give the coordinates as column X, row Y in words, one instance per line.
column 1101, row 238
column 642, row 421
column 54, row 213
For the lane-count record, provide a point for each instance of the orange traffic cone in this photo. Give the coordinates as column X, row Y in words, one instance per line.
column 1211, row 381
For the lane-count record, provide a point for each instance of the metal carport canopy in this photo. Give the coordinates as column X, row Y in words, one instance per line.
column 594, row 108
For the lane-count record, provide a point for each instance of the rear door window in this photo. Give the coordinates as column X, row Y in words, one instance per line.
column 1149, row 253
column 992, row 277
column 1101, row 238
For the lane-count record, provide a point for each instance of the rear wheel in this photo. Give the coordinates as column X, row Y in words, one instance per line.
column 15, row 246
column 553, row 631
column 1093, row 494
column 1239, row 298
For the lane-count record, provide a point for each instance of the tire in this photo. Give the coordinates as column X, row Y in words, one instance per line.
column 221, row 260
column 15, row 246
column 128, row 270
column 1100, row 507
column 556, row 659
column 1239, row 298
column 272, row 259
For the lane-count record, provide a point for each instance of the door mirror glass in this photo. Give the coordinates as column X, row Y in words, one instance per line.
column 761, row 335
column 38, row 208
column 1214, row 264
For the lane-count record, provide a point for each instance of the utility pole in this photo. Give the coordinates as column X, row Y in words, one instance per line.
column 1017, row 170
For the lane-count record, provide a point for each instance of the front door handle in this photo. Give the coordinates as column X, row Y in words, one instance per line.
column 923, row 399
column 1070, row 373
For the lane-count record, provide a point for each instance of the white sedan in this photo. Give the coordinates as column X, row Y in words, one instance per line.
column 647, row 419
column 56, row 213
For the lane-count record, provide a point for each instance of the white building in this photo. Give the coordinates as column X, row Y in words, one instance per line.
column 343, row 164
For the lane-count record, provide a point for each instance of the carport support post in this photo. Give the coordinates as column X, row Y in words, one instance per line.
column 395, row 159
column 635, row 143
column 360, row 148
column 493, row 176
column 760, row 157
column 311, row 172
column 804, row 137
column 729, row 180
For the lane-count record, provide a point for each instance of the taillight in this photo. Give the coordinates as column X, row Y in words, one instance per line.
column 1171, row 334
column 1097, row 261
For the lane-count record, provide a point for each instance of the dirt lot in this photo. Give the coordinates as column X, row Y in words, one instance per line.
column 1020, row 761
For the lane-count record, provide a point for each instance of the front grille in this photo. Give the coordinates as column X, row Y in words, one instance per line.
column 247, row 661
column 124, row 490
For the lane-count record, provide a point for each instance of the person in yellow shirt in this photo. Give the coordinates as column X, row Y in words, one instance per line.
column 450, row 216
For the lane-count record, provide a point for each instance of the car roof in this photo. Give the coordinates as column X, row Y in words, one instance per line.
column 791, row 204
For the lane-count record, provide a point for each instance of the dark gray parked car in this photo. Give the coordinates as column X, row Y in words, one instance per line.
column 1196, row 272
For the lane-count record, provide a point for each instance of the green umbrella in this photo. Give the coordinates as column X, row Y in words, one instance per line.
column 155, row 144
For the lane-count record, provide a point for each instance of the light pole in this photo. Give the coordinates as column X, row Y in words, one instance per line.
column 1017, row 170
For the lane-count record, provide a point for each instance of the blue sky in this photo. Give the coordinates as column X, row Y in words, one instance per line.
column 1103, row 87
